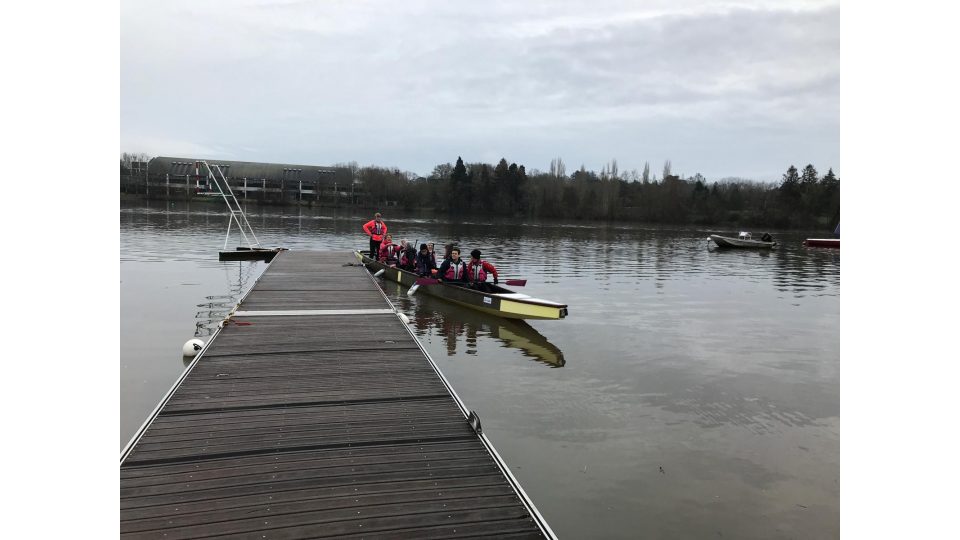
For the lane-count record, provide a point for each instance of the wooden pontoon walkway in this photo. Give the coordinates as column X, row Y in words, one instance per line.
column 314, row 412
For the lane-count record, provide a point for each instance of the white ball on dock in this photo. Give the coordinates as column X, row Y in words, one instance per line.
column 192, row 347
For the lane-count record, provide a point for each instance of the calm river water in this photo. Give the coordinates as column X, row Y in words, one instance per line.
column 691, row 392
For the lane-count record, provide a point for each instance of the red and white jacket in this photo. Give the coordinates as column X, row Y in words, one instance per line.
column 477, row 271
column 375, row 230
column 389, row 253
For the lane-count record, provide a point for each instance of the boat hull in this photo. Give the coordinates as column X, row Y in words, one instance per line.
column 822, row 242
column 502, row 303
column 729, row 242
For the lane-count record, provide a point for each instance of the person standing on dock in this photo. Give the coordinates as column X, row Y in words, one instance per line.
column 375, row 229
column 477, row 272
column 453, row 269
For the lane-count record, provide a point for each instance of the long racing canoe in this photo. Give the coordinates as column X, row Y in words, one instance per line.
column 498, row 301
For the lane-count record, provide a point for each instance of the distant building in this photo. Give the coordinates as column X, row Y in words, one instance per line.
column 179, row 177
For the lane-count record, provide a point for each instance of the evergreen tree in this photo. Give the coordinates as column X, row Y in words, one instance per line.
column 791, row 177
column 458, row 194
column 459, row 175
column 830, row 180
column 809, row 176
column 789, row 195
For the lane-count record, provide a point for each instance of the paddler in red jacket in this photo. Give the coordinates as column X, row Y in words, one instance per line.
column 389, row 252
column 375, row 229
column 477, row 272
column 453, row 269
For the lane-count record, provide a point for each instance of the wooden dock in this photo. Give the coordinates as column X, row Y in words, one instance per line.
column 314, row 413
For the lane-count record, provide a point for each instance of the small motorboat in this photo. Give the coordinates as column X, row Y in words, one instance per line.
column 743, row 240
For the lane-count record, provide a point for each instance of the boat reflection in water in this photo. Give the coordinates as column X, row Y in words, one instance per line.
column 453, row 322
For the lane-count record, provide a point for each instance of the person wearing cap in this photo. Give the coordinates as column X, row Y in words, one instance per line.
column 424, row 263
column 477, row 271
column 375, row 229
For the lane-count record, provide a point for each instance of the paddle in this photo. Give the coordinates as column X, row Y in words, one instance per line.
column 432, row 281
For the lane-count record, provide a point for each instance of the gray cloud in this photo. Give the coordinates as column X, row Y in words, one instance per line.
column 719, row 88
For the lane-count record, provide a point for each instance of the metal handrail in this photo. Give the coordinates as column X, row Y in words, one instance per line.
column 234, row 208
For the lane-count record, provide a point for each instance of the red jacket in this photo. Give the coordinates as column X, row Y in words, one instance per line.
column 477, row 270
column 389, row 253
column 370, row 228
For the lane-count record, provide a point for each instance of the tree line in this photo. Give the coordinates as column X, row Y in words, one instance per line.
column 802, row 199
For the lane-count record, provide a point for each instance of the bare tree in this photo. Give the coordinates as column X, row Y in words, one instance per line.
column 557, row 168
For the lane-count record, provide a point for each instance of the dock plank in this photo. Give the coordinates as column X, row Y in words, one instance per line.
column 295, row 425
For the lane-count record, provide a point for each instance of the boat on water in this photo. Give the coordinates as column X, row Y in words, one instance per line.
column 743, row 240
column 497, row 301
column 822, row 242
column 825, row 242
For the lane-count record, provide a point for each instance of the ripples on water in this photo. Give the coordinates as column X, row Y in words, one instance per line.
column 721, row 366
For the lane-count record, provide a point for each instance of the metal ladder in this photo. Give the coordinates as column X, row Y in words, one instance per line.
column 236, row 213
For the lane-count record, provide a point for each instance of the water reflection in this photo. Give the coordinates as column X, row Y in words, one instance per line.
column 238, row 274
column 455, row 324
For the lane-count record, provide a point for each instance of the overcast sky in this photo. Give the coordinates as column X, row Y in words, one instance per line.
column 742, row 88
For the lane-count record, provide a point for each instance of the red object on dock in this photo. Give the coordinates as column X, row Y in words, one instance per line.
column 822, row 242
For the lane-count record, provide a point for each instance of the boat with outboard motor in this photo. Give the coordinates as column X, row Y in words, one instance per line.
column 744, row 240
column 496, row 300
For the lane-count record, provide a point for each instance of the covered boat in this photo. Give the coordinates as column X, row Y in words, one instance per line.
column 744, row 240
column 498, row 301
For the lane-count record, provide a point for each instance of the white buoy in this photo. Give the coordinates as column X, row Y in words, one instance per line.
column 380, row 273
column 192, row 347
column 404, row 318
column 412, row 290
